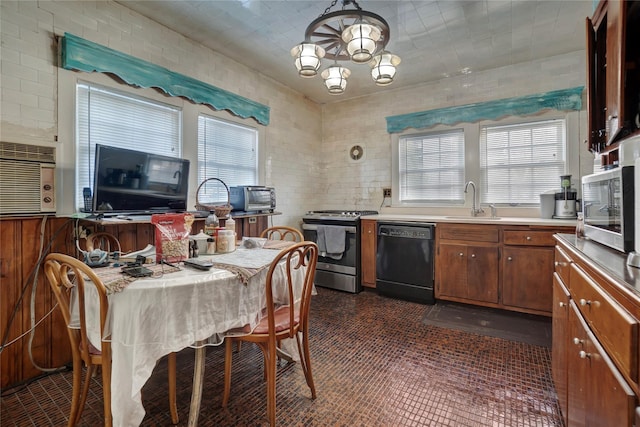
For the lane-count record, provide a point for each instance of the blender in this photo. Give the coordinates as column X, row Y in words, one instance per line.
column 566, row 199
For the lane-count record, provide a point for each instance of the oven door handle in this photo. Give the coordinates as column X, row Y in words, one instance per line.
column 314, row 227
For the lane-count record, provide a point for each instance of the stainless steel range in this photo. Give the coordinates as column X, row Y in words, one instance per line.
column 337, row 234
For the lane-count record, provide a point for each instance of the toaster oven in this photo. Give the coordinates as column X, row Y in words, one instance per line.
column 252, row 198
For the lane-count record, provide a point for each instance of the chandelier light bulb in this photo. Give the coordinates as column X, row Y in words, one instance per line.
column 307, row 58
column 383, row 68
column 335, row 79
column 361, row 39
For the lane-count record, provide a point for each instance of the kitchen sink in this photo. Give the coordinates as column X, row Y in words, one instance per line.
column 474, row 218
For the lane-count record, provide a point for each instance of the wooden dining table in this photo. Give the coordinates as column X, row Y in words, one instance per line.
column 154, row 316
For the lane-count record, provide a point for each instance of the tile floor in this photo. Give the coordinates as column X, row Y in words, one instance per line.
column 374, row 364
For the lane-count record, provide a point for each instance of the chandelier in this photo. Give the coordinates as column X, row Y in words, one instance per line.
column 347, row 34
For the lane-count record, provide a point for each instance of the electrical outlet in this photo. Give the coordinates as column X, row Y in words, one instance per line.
column 386, row 192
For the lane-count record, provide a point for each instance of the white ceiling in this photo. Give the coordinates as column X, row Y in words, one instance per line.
column 434, row 39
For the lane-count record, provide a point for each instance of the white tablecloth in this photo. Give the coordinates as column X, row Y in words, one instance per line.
column 153, row 317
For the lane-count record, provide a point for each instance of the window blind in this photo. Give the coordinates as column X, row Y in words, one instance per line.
column 227, row 151
column 518, row 162
column 431, row 167
column 118, row 119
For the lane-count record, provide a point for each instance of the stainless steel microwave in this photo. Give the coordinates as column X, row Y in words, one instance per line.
column 252, row 198
column 608, row 207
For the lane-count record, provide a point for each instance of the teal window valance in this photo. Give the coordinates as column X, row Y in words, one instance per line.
column 83, row 55
column 564, row 100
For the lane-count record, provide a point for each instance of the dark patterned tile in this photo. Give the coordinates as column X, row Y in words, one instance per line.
column 374, row 364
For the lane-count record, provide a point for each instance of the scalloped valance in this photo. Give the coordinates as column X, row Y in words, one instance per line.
column 82, row 55
column 564, row 100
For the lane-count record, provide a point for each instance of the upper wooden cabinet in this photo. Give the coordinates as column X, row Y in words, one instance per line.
column 613, row 75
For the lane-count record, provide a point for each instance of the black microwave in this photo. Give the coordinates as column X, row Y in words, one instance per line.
column 608, row 207
column 252, row 198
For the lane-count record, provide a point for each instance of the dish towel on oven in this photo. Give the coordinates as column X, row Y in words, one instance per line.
column 331, row 241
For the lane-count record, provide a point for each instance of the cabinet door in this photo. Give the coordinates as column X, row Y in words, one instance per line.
column 598, row 394
column 482, row 273
column 526, row 278
column 615, row 78
column 452, row 271
column 577, row 371
column 368, row 252
column 560, row 337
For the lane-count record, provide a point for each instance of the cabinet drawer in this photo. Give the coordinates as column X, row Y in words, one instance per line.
column 562, row 265
column 528, row 238
column 616, row 329
column 475, row 233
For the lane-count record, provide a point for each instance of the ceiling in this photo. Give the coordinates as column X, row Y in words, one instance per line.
column 435, row 39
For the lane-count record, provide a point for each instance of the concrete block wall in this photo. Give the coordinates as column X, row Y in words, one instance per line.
column 29, row 75
column 306, row 145
column 362, row 121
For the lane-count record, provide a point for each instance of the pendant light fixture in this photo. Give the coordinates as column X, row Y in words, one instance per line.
column 335, row 78
column 383, row 68
column 347, row 34
column 308, row 58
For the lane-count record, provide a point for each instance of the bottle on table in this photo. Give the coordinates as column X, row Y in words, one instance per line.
column 211, row 223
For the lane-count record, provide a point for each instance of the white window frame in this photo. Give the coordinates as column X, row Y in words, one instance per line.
column 454, row 197
column 65, row 148
column 573, row 160
column 126, row 140
column 523, row 172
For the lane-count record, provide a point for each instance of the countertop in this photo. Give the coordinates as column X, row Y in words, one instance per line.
column 468, row 219
column 610, row 262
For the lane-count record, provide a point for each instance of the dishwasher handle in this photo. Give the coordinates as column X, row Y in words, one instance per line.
column 417, row 231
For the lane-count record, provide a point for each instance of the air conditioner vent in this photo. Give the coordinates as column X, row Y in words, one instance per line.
column 33, row 153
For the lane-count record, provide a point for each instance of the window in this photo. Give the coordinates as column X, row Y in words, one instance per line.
column 520, row 161
column 228, row 151
column 431, row 167
column 109, row 117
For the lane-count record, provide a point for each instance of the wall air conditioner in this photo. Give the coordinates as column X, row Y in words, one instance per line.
column 27, row 179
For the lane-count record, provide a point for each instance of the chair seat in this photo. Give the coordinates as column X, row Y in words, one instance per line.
column 281, row 321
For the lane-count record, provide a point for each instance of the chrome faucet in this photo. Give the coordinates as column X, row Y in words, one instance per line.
column 475, row 211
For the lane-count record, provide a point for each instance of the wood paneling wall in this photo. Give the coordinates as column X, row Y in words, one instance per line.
column 21, row 240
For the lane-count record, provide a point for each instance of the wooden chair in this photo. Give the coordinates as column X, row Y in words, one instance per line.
column 65, row 274
column 281, row 322
column 282, row 232
column 104, row 241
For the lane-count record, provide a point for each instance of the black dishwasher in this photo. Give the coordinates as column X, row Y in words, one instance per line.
column 405, row 261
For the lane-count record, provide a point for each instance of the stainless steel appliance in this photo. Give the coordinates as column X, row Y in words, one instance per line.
column 405, row 261
column 566, row 199
column 337, row 272
column 608, row 207
column 252, row 198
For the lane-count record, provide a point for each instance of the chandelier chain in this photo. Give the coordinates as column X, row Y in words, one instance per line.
column 344, row 3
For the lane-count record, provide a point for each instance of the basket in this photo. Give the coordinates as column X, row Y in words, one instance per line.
column 221, row 211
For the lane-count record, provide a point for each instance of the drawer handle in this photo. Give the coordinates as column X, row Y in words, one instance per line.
column 584, row 355
column 560, row 264
column 562, row 304
column 584, row 302
column 577, row 341
column 509, row 258
column 461, row 254
column 473, row 255
column 528, row 237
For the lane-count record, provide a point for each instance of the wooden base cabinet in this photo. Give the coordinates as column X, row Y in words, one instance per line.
column 368, row 244
column 467, row 263
column 595, row 341
column 561, row 340
column 507, row 266
column 598, row 394
column 468, row 272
